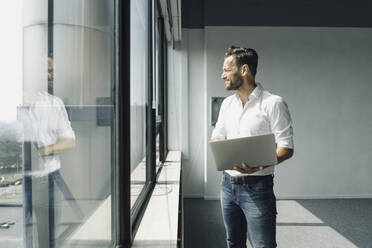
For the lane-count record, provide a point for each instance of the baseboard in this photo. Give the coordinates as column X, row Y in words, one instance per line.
column 302, row 197
column 193, row 196
column 211, row 197
column 320, row 197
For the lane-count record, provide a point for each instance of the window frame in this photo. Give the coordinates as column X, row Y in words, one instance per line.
column 161, row 45
column 129, row 218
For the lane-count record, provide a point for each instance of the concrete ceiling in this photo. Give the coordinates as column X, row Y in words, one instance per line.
column 316, row 13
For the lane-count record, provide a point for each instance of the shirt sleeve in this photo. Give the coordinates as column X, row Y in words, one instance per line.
column 64, row 129
column 220, row 131
column 281, row 123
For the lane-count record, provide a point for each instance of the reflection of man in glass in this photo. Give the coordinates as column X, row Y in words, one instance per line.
column 47, row 126
column 48, row 129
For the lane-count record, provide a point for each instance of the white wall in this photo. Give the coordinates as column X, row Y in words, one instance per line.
column 323, row 74
column 186, row 107
column 175, row 135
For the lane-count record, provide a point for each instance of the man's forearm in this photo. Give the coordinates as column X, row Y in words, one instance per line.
column 284, row 153
column 60, row 146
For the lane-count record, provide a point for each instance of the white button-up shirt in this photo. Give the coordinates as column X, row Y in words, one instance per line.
column 45, row 121
column 263, row 113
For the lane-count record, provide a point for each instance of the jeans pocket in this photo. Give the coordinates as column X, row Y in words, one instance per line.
column 259, row 187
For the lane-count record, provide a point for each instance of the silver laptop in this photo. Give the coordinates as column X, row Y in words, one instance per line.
column 254, row 151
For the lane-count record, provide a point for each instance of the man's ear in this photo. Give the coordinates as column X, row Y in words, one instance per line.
column 245, row 70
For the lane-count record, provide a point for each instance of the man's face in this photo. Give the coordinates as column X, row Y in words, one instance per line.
column 231, row 74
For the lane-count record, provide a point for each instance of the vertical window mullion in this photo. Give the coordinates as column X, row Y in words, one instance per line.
column 122, row 202
column 50, row 87
column 50, row 44
column 150, row 125
column 165, row 92
column 161, row 87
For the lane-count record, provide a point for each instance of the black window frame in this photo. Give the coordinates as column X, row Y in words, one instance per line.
column 128, row 219
column 161, row 46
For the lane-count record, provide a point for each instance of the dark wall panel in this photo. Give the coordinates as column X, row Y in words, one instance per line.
column 316, row 13
column 192, row 13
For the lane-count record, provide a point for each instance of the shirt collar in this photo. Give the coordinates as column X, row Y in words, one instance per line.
column 256, row 93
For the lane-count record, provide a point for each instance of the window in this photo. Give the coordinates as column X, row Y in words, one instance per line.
column 160, row 85
column 147, row 103
column 139, row 81
column 89, row 136
column 68, row 101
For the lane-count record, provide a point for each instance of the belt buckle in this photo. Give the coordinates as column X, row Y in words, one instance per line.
column 234, row 180
column 231, row 180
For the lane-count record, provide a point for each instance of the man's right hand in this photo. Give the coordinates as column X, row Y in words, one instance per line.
column 249, row 170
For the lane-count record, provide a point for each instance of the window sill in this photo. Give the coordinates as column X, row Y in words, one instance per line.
column 159, row 225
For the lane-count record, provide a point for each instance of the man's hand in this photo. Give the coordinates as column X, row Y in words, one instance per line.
column 46, row 150
column 61, row 146
column 249, row 170
column 215, row 139
column 282, row 154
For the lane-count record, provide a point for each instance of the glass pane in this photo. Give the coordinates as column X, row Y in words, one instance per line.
column 138, row 94
column 11, row 160
column 67, row 123
column 10, row 164
column 157, row 68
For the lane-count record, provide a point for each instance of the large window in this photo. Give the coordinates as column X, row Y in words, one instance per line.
column 160, row 86
column 80, row 158
column 69, row 136
column 146, row 103
column 139, row 80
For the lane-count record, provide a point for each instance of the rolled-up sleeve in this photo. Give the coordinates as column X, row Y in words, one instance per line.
column 220, row 131
column 64, row 129
column 281, row 123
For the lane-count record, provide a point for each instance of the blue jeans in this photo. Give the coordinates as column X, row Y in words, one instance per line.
column 42, row 195
column 249, row 205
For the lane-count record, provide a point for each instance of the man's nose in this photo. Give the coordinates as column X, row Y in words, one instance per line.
column 223, row 76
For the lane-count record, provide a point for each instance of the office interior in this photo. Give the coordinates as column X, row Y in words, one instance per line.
column 138, row 84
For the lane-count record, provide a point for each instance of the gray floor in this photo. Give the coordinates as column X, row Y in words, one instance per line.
column 300, row 224
column 339, row 223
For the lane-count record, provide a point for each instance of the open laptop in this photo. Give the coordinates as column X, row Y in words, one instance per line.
column 254, row 151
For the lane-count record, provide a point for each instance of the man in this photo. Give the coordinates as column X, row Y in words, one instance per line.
column 247, row 199
column 47, row 127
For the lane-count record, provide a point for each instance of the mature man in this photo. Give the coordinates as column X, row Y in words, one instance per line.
column 47, row 127
column 247, row 199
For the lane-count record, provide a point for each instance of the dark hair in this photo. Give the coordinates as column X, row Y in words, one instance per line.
column 244, row 56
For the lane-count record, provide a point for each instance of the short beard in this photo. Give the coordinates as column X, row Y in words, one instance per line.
column 234, row 85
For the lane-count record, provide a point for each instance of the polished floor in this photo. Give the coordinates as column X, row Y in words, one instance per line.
column 339, row 223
